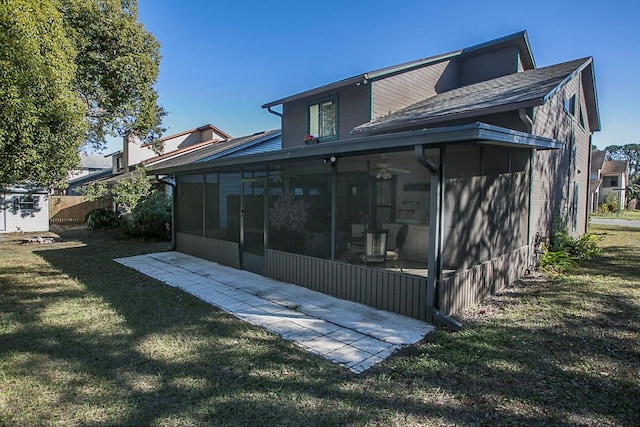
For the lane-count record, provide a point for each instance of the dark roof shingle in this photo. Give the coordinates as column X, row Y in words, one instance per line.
column 527, row 88
column 211, row 149
column 597, row 160
column 614, row 167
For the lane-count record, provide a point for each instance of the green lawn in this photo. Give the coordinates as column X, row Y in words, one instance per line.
column 86, row 341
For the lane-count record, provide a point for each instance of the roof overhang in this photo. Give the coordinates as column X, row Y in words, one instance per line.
column 475, row 133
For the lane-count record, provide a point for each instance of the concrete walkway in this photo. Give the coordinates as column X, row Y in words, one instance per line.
column 351, row 334
column 617, row 221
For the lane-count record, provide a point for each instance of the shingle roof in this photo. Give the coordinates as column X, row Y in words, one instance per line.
column 597, row 160
column 527, row 88
column 212, row 149
column 594, row 184
column 95, row 161
column 614, row 167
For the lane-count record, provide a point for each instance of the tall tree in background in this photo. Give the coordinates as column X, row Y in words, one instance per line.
column 71, row 73
column 41, row 116
column 117, row 67
column 629, row 152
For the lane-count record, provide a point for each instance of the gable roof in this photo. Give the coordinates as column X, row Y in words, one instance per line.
column 519, row 39
column 198, row 129
column 518, row 90
column 615, row 167
column 216, row 150
column 94, row 161
column 597, row 160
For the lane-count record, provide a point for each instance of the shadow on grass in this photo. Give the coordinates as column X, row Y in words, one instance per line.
column 158, row 354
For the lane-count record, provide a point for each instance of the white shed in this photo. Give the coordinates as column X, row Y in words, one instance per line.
column 24, row 209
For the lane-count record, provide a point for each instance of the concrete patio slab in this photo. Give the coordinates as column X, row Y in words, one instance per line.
column 348, row 333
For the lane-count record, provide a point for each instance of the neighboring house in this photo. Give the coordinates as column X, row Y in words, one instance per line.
column 607, row 176
column 92, row 167
column 90, row 164
column 472, row 154
column 259, row 142
column 24, row 208
column 134, row 152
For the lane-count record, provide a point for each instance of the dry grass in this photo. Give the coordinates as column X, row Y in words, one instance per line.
column 87, row 341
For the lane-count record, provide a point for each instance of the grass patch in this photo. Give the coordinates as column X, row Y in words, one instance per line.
column 85, row 340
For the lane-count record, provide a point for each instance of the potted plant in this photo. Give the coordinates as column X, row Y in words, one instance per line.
column 311, row 139
column 288, row 217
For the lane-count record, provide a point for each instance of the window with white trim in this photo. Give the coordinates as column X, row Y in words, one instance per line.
column 26, row 202
column 323, row 119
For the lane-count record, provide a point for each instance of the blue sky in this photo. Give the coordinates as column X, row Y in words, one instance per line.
column 222, row 60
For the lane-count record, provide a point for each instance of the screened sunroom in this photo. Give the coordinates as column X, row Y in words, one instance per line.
column 446, row 209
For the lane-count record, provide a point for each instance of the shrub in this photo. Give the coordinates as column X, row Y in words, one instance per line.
column 151, row 218
column 101, row 218
column 557, row 261
column 612, row 201
column 564, row 251
column 586, row 246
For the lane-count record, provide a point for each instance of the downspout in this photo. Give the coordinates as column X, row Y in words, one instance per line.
column 526, row 119
column 274, row 112
column 530, row 210
column 528, row 122
column 334, row 197
column 173, row 210
column 434, row 264
column 589, row 201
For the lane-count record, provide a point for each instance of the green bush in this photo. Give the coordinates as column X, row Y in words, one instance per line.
column 612, row 201
column 101, row 218
column 564, row 252
column 151, row 218
column 557, row 261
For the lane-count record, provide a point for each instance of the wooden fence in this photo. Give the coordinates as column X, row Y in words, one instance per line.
column 69, row 210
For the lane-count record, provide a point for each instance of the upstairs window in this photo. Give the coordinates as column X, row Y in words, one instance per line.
column 323, row 119
column 581, row 118
column 570, row 105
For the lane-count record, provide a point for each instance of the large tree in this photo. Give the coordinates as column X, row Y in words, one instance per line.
column 117, row 62
column 71, row 73
column 41, row 116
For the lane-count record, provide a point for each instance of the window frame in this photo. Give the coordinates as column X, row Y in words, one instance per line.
column 319, row 102
column 570, row 105
column 26, row 202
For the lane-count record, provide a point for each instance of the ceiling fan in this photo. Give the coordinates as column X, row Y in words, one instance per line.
column 384, row 169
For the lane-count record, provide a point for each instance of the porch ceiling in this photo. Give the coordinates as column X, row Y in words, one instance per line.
column 475, row 133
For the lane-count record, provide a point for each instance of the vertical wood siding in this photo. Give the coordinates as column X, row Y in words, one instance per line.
column 383, row 289
column 72, row 209
column 395, row 92
column 466, row 288
column 220, row 251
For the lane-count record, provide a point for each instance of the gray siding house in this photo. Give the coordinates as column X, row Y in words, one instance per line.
column 447, row 167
